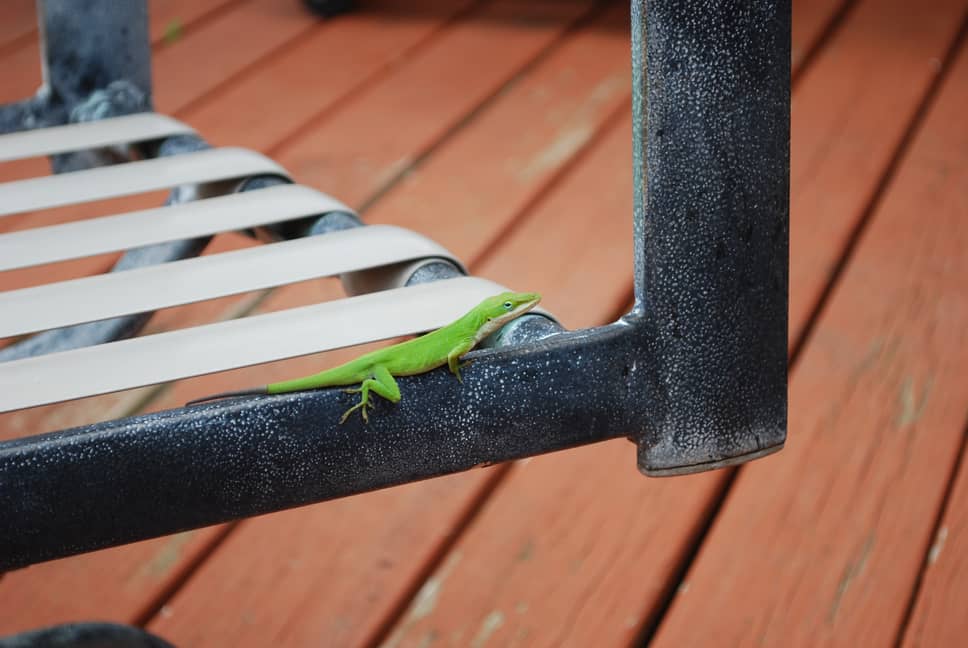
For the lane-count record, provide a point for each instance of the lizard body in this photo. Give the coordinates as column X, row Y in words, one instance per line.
column 375, row 371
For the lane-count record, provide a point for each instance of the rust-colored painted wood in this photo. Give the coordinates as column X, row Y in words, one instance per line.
column 18, row 19
column 467, row 497
column 302, row 84
column 220, row 49
column 473, row 188
column 21, row 71
column 399, row 116
column 117, row 584
column 171, row 20
column 823, row 543
column 812, row 19
column 939, row 617
column 848, row 117
column 936, row 175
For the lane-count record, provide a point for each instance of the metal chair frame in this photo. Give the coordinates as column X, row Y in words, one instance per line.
column 695, row 374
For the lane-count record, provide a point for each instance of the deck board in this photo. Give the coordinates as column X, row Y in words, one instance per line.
column 934, row 182
column 17, row 21
column 849, row 117
column 813, row 20
column 501, row 128
column 297, row 88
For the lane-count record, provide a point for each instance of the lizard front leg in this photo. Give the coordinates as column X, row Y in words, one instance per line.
column 453, row 359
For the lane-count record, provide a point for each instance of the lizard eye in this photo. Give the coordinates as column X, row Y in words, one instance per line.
column 508, row 305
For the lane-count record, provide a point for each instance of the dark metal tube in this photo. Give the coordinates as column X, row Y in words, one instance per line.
column 712, row 132
column 89, row 44
column 120, row 481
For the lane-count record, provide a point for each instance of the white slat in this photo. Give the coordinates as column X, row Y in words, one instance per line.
column 89, row 135
column 237, row 343
column 132, row 178
column 183, row 221
column 183, row 282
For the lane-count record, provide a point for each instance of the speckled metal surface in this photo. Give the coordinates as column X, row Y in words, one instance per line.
column 90, row 43
column 96, row 62
column 146, row 476
column 712, row 229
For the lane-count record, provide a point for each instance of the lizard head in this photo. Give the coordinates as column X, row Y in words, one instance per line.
column 498, row 310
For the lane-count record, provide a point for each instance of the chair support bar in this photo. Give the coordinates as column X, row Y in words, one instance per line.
column 712, row 137
column 142, row 477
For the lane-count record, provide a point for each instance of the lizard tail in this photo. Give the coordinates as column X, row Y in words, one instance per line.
column 257, row 391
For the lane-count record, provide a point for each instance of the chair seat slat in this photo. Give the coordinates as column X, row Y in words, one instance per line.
column 237, row 343
column 146, row 227
column 141, row 127
column 87, row 299
column 132, row 178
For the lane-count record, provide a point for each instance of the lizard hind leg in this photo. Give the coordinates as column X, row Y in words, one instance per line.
column 381, row 383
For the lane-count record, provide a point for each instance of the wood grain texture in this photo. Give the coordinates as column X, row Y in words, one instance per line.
column 118, row 584
column 18, row 19
column 813, row 20
column 362, row 149
column 848, row 116
column 936, row 179
column 823, row 544
column 297, row 88
column 210, row 56
column 491, row 171
column 939, row 615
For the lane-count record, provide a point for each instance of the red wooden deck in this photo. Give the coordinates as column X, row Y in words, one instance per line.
column 502, row 129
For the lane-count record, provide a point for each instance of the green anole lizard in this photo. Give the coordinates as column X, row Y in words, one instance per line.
column 374, row 371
